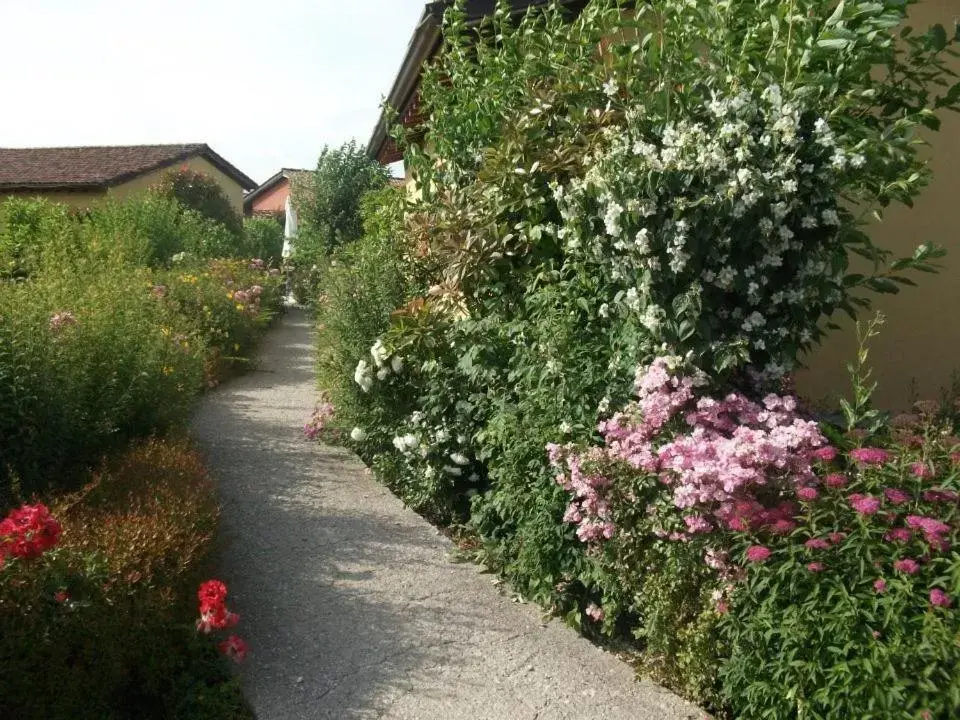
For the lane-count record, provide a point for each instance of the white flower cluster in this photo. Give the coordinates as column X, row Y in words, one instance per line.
column 384, row 363
column 736, row 205
column 433, row 450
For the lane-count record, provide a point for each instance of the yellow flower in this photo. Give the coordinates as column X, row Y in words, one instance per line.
column 236, row 347
column 167, row 370
column 166, row 331
column 240, row 307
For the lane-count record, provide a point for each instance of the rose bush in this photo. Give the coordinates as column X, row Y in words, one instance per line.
column 92, row 622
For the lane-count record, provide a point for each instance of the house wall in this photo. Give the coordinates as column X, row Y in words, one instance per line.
column 74, row 198
column 86, row 198
column 273, row 200
column 139, row 184
column 919, row 345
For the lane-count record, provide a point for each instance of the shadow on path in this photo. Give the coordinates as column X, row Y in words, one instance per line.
column 347, row 599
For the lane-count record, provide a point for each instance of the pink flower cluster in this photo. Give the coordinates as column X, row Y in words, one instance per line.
column 323, row 413
column 249, row 298
column 933, row 531
column 870, row 456
column 589, row 510
column 61, row 320
column 723, row 453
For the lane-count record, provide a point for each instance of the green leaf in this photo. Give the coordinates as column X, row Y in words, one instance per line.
column 937, row 37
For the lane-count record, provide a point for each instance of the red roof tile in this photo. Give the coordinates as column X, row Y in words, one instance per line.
column 76, row 167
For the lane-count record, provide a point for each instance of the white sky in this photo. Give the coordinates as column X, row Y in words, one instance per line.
column 264, row 82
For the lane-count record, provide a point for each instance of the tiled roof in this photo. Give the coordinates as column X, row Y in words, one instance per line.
column 87, row 167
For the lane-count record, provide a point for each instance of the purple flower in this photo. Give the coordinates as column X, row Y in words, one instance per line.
column 901, row 535
column 870, row 456
column 880, row 585
column 864, row 504
column 897, row 497
column 921, row 470
column 908, row 566
column 938, row 598
column 758, row 553
column 817, row 544
column 816, row 567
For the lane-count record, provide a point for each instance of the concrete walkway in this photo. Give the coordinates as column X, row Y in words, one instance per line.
column 349, row 601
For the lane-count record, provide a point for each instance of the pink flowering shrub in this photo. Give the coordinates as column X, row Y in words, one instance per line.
column 797, row 558
column 868, row 579
column 730, row 464
column 322, row 415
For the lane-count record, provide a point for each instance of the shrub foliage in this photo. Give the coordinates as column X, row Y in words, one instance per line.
column 625, row 230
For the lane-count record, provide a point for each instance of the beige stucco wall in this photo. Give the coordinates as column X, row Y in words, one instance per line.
column 75, row 199
column 87, row 198
column 919, row 344
column 198, row 164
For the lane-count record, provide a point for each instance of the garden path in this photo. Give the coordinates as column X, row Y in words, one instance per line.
column 350, row 603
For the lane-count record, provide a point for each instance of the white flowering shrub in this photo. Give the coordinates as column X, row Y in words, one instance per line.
column 682, row 178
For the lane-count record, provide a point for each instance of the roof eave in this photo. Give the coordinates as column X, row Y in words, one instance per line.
column 426, row 38
column 267, row 184
column 61, row 186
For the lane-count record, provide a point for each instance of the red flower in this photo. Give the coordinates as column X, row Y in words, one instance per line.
column 234, row 648
column 808, row 494
column 864, row 504
column 907, row 565
column 826, row 454
column 816, row 567
column 896, row 496
column 28, row 532
column 212, row 595
column 61, row 596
